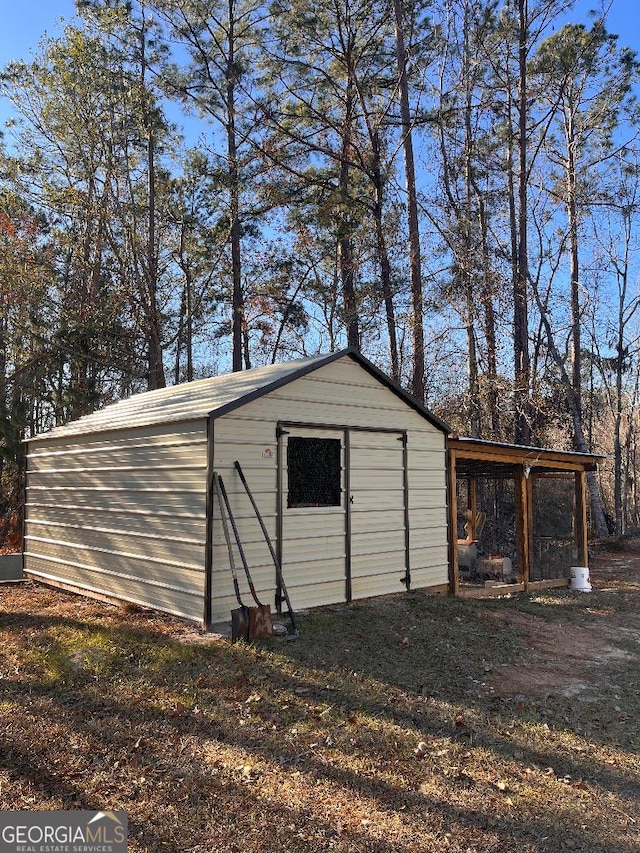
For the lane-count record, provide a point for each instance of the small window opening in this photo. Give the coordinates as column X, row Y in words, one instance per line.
column 313, row 466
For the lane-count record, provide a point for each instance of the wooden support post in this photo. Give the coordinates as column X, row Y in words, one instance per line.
column 582, row 541
column 454, row 576
column 523, row 500
column 530, row 518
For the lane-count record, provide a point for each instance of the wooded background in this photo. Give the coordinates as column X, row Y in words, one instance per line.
column 451, row 187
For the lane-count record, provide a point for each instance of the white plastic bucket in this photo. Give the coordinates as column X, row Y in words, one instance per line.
column 580, row 579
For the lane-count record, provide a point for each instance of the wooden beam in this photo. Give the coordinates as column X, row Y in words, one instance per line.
column 530, row 518
column 550, row 583
column 582, row 541
column 537, row 457
column 522, row 493
column 511, row 588
column 491, row 591
column 538, row 461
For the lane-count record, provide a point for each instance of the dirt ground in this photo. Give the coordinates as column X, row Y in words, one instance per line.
column 574, row 660
column 405, row 724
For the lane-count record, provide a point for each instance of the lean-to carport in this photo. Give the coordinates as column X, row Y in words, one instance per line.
column 474, row 460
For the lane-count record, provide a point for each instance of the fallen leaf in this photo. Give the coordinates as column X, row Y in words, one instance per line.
column 421, row 749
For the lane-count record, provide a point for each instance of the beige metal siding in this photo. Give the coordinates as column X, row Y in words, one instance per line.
column 122, row 513
column 250, row 440
column 118, row 508
column 339, row 394
column 378, row 545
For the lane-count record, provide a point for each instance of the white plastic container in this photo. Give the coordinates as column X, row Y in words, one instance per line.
column 580, row 579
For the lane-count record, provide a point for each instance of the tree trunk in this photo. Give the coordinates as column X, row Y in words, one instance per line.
column 237, row 299
column 345, row 247
column 467, row 265
column 246, row 352
column 489, row 324
column 387, row 295
column 582, row 446
column 617, row 477
column 189, row 327
column 155, row 361
column 383, row 258
column 572, row 219
column 179, row 340
column 618, row 500
column 580, row 441
column 522, row 425
column 3, row 378
column 630, row 479
column 415, row 269
column 156, row 377
column 184, row 337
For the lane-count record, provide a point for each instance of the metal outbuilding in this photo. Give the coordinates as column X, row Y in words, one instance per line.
column 349, row 472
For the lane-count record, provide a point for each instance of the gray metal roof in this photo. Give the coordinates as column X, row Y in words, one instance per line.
column 213, row 397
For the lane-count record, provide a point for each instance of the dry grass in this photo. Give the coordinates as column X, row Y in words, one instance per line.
column 409, row 724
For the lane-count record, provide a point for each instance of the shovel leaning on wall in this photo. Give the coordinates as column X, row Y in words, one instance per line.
column 240, row 616
column 274, row 557
column 260, row 624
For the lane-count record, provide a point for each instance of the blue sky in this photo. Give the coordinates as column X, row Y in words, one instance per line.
column 24, row 22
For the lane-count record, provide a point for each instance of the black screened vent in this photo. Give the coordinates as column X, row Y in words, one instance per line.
column 314, row 471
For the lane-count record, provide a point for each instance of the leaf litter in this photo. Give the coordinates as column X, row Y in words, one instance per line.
column 406, row 723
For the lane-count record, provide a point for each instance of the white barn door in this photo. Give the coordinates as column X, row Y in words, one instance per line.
column 378, row 494
column 313, row 514
column 343, row 513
